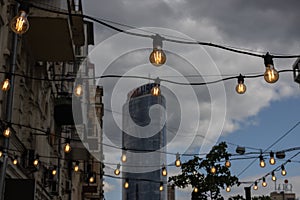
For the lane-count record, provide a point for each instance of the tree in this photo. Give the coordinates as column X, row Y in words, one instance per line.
column 208, row 184
column 261, row 198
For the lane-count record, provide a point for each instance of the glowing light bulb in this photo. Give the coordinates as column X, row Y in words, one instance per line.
column 124, row 157
column 241, row 87
column 67, row 148
column 164, row 171
column 227, row 164
column 262, row 161
column 177, row 162
column 15, row 161
column 117, row 170
column 7, row 132
column 228, row 189
column 270, row 75
column 54, row 171
column 19, row 24
column 155, row 91
column 283, row 171
column 273, row 176
column 5, row 85
column 157, row 57
column 92, row 179
column 76, row 167
column 196, row 190
column 126, row 184
column 161, row 187
column 36, row 161
column 255, row 187
column 213, row 170
column 272, row 160
column 1, row 154
column 78, row 91
column 264, row 183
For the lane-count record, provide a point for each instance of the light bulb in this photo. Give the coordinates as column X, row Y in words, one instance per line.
column 255, row 187
column 124, row 157
column 67, row 148
column 283, row 171
column 157, row 57
column 155, row 91
column 78, row 90
column 264, row 183
column 15, row 161
column 5, row 85
column 161, row 187
column 228, row 189
column 241, row 87
column 117, row 170
column 54, row 171
column 164, row 171
column 228, row 163
column 196, row 190
column 262, row 161
column 271, row 75
column 273, row 176
column 91, row 179
column 1, row 154
column 272, row 160
column 177, row 162
column 7, row 132
column 36, row 162
column 213, row 170
column 76, row 167
column 126, row 184
column 19, row 24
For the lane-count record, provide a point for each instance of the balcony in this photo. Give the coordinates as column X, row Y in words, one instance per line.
column 53, row 37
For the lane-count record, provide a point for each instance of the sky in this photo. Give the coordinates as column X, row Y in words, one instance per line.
column 214, row 112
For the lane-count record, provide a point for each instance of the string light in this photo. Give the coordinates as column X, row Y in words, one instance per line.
column 126, row 184
column 283, row 171
column 7, row 132
column 78, row 90
column 228, row 189
column 196, row 190
column 92, row 178
column 177, row 162
column 124, row 157
column 54, row 171
column 241, row 87
column 213, row 170
column 255, row 187
column 272, row 160
column 76, row 167
column 15, row 160
column 67, row 147
column 262, row 161
column 155, row 91
column 19, row 24
column 36, row 160
column 273, row 176
column 117, row 170
column 161, row 187
column 264, row 183
column 1, row 153
column 270, row 75
column 5, row 85
column 164, row 171
column 227, row 162
column 157, row 56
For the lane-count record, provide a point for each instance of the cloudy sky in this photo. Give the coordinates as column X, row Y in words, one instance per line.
column 256, row 119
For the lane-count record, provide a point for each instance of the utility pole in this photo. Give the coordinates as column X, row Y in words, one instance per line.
column 248, row 193
column 9, row 107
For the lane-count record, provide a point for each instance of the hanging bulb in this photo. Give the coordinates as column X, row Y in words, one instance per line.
column 270, row 75
column 228, row 189
column 213, row 170
column 273, row 176
column 124, row 157
column 1, row 153
column 117, row 170
column 155, row 91
column 126, row 184
column 7, row 132
column 157, row 56
column 78, row 91
column 15, row 160
column 161, row 187
column 264, row 183
column 272, row 160
column 5, row 85
column 227, row 162
column 19, row 24
column 36, row 160
column 67, row 147
column 262, row 161
column 283, row 171
column 54, row 171
column 255, row 187
column 76, row 167
column 196, row 190
column 241, row 87
column 164, row 171
column 177, row 162
column 92, row 179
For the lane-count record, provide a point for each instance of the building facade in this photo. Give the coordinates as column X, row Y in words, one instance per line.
column 143, row 139
column 42, row 65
